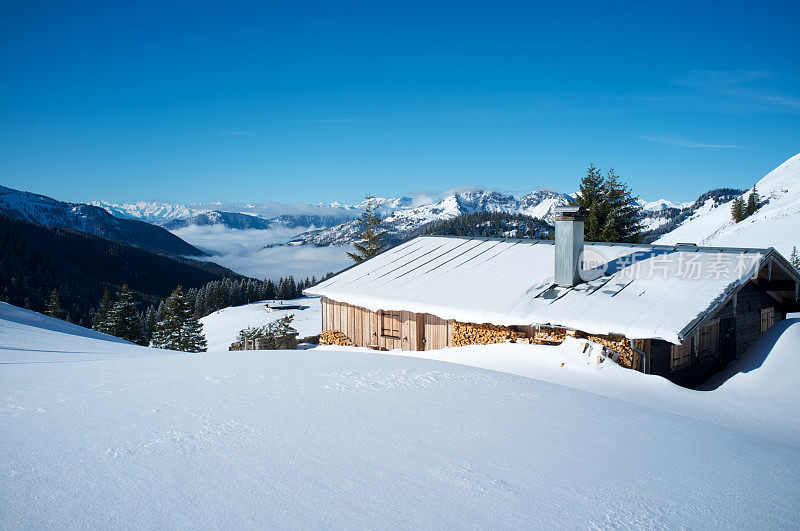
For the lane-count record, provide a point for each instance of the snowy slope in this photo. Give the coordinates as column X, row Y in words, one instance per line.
column 351, row 439
column 222, row 326
column 776, row 224
column 362, row 439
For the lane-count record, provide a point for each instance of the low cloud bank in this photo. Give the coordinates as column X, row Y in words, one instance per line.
column 244, row 251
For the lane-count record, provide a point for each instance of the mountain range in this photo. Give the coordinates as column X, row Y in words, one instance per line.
column 147, row 224
column 43, row 210
column 334, row 223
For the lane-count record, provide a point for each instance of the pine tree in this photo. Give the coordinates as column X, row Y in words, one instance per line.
column 149, row 321
column 124, row 318
column 54, row 308
column 100, row 320
column 179, row 328
column 370, row 238
column 612, row 213
column 622, row 220
column 591, row 197
column 738, row 210
column 753, row 202
column 270, row 292
column 795, row 259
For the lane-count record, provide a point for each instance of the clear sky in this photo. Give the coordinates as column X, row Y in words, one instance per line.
column 292, row 101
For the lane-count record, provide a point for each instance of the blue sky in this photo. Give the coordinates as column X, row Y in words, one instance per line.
column 292, row 101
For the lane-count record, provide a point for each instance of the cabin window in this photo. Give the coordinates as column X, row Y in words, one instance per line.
column 767, row 318
column 390, row 324
column 682, row 354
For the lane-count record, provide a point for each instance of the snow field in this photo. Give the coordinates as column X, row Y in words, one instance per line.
column 222, row 326
column 111, row 434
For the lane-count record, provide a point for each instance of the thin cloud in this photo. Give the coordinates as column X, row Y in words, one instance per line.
column 737, row 89
column 685, row 142
column 235, row 132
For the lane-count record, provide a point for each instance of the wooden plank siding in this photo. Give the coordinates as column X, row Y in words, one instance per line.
column 363, row 327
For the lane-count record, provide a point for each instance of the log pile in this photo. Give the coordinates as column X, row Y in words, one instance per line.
column 334, row 337
column 548, row 335
column 482, row 334
column 627, row 357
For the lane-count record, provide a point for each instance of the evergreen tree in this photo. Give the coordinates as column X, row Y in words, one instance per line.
column 149, row 320
column 738, row 209
column 179, row 328
column 370, row 238
column 591, row 198
column 753, row 202
column 612, row 213
column 270, row 292
column 124, row 318
column 795, row 259
column 100, row 320
column 54, row 308
column 622, row 218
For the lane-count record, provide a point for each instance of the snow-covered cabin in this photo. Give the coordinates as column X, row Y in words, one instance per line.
column 683, row 311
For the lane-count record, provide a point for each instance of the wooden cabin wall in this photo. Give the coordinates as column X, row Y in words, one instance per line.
column 363, row 327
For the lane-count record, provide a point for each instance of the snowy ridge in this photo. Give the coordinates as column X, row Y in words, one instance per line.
column 663, row 204
column 400, row 223
column 775, row 224
column 50, row 212
column 149, row 211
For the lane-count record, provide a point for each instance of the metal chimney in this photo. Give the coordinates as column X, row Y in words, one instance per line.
column 569, row 245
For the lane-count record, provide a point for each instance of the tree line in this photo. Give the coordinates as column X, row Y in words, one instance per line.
column 490, row 224
column 173, row 323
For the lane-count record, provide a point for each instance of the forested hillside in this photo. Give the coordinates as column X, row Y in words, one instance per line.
column 35, row 259
column 90, row 219
column 490, row 224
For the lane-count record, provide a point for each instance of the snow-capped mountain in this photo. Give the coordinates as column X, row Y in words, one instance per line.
column 541, row 204
column 403, row 221
column 231, row 220
column 150, row 211
column 385, row 204
column 775, row 224
column 238, row 221
column 263, row 215
column 47, row 211
column 663, row 204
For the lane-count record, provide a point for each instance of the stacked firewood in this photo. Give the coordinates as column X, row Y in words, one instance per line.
column 548, row 335
column 482, row 334
column 619, row 345
column 334, row 337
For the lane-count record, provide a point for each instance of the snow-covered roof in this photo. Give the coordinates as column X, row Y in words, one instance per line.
column 640, row 291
